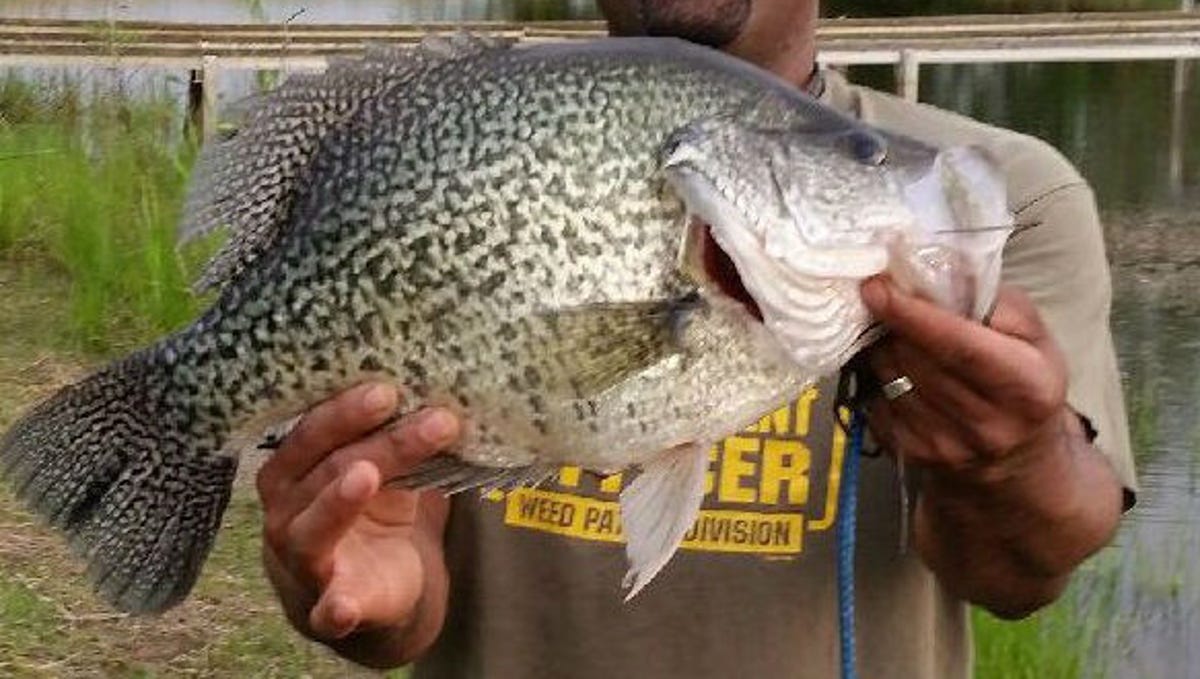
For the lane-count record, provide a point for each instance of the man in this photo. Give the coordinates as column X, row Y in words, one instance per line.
column 1011, row 495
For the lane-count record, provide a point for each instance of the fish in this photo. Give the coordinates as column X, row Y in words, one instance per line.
column 608, row 254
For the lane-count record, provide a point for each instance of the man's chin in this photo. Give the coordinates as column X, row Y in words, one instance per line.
column 715, row 23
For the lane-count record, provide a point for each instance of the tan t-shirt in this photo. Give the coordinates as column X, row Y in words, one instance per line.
column 535, row 576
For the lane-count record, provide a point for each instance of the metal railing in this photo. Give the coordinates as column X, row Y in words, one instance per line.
column 907, row 43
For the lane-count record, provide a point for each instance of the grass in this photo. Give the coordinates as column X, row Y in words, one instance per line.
column 93, row 188
column 89, row 189
column 50, row 623
column 1040, row 647
column 1059, row 641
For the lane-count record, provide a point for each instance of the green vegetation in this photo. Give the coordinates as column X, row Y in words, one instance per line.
column 1044, row 646
column 50, row 623
column 89, row 191
column 92, row 189
column 1070, row 638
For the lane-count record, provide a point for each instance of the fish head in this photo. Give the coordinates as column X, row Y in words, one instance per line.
column 789, row 222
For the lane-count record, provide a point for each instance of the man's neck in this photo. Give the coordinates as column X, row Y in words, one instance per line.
column 792, row 57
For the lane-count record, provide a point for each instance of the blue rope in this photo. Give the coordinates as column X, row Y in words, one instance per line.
column 846, row 520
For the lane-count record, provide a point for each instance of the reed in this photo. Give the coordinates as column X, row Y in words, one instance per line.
column 92, row 182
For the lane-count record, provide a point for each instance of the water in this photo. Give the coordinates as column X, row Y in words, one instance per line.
column 1115, row 122
column 1152, row 570
column 235, row 86
column 1139, row 600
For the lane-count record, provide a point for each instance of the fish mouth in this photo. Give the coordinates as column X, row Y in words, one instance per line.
column 717, row 267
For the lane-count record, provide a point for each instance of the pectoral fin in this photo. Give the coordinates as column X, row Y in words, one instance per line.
column 658, row 509
column 600, row 345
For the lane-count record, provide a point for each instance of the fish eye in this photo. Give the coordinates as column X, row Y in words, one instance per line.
column 866, row 148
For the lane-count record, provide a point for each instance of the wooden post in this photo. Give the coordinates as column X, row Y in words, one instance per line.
column 1179, row 116
column 202, row 98
column 1178, row 125
column 908, row 76
column 194, row 125
column 208, row 116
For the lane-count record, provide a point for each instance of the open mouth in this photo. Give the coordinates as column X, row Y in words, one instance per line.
column 719, row 269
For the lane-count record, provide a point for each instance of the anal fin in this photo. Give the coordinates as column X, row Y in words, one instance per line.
column 658, row 508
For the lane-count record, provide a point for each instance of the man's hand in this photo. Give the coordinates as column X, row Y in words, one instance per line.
column 357, row 565
column 1013, row 496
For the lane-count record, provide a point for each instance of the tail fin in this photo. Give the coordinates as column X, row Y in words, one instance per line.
column 108, row 461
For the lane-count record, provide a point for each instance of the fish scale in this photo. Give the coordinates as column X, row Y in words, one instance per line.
column 502, row 231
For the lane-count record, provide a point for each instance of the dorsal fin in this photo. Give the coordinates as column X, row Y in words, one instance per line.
column 248, row 181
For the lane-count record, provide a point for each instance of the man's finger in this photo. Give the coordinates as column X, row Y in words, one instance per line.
column 352, row 603
column 313, row 536
column 892, row 434
column 331, row 424
column 392, row 451
column 943, row 389
column 335, row 617
column 1017, row 316
column 363, row 598
column 913, row 428
column 982, row 356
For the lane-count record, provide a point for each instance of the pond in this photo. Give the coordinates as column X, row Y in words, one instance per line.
column 1114, row 121
column 1141, row 596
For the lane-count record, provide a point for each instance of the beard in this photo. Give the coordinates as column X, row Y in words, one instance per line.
column 715, row 23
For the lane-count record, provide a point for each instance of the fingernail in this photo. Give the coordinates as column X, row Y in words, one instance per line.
column 341, row 616
column 379, row 399
column 345, row 614
column 438, row 427
column 875, row 294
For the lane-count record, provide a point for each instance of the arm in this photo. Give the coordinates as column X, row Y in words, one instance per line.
column 358, row 566
column 1013, row 496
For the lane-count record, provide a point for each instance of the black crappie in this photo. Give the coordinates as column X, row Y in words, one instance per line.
column 507, row 232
